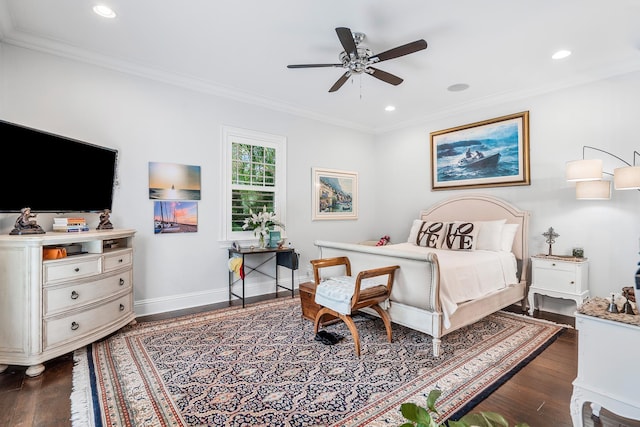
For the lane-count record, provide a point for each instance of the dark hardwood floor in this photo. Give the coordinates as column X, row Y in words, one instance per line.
column 539, row 394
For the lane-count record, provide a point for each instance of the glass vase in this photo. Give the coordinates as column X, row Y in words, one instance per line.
column 261, row 242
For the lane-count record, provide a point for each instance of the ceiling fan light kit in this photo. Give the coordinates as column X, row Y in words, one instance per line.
column 359, row 60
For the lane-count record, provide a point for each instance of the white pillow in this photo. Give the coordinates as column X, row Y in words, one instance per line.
column 508, row 235
column 427, row 233
column 431, row 234
column 490, row 235
column 460, row 236
column 413, row 233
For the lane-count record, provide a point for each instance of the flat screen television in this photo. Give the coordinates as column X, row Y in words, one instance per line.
column 52, row 173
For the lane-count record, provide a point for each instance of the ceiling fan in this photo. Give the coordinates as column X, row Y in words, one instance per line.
column 358, row 60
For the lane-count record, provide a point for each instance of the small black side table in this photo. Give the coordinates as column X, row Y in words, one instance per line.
column 286, row 257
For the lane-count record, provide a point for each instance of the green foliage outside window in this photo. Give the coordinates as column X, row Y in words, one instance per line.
column 252, row 180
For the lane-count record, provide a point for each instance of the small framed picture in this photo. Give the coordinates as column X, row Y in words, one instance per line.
column 335, row 194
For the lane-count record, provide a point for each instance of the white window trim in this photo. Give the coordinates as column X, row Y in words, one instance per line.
column 232, row 134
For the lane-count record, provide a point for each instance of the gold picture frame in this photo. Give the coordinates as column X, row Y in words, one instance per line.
column 490, row 153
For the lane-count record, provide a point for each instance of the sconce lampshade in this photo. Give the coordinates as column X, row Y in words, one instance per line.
column 627, row 178
column 593, row 190
column 584, row 170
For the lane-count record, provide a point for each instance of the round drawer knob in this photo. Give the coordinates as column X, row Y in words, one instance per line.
column 74, row 326
column 74, row 295
column 121, row 282
column 121, row 307
column 76, row 269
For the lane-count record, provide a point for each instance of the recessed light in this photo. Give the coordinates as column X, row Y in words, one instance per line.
column 389, row 108
column 561, row 54
column 104, row 11
column 458, row 87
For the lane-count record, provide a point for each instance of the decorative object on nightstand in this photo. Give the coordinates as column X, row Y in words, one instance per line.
column 105, row 223
column 26, row 223
column 578, row 252
column 551, row 238
column 559, row 277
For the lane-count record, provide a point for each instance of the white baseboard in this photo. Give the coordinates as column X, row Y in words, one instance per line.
column 196, row 299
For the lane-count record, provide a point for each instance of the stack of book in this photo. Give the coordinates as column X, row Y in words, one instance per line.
column 66, row 225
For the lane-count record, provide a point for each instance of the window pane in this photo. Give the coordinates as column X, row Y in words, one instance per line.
column 270, row 156
column 245, row 200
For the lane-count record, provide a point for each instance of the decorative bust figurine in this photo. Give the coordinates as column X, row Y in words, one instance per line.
column 26, row 223
column 105, row 223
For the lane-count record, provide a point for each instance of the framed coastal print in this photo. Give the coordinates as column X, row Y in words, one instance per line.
column 171, row 181
column 175, row 217
column 335, row 194
column 491, row 153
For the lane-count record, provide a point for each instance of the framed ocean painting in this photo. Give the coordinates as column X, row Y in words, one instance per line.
column 335, row 194
column 491, row 153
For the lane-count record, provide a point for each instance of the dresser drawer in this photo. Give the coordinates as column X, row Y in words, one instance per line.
column 65, row 297
column 554, row 265
column 118, row 259
column 71, row 268
column 77, row 325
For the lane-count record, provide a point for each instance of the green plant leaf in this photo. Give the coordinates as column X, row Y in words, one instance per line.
column 415, row 413
column 485, row 419
column 431, row 399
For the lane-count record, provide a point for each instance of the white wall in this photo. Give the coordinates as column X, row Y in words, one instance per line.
column 603, row 115
column 151, row 121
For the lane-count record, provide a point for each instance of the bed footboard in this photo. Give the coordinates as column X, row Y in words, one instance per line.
column 415, row 288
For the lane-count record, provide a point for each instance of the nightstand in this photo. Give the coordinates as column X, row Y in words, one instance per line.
column 559, row 277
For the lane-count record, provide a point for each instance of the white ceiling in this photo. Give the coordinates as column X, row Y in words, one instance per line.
column 240, row 49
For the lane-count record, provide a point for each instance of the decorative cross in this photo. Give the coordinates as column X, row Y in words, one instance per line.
column 551, row 237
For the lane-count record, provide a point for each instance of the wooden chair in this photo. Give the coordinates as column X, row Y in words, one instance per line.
column 342, row 296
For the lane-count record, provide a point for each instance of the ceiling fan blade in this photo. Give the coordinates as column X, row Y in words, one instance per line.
column 400, row 51
column 346, row 39
column 384, row 76
column 342, row 80
column 313, row 65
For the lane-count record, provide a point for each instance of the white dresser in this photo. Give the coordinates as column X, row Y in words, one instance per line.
column 51, row 307
column 558, row 278
column 608, row 374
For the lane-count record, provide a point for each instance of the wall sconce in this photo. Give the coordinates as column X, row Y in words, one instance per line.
column 587, row 174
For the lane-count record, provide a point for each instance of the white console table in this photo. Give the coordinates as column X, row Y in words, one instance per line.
column 608, row 374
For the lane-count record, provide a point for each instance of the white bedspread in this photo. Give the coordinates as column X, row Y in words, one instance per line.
column 467, row 275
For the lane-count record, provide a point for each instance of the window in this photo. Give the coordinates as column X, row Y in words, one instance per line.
column 254, row 178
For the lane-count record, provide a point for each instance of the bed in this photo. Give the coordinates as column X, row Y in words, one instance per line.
column 450, row 279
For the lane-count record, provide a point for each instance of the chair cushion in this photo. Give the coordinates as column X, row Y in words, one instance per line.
column 336, row 292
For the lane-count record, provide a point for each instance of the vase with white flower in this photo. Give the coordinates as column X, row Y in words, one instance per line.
column 261, row 224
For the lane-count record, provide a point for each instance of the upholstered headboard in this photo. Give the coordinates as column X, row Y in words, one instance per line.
column 481, row 207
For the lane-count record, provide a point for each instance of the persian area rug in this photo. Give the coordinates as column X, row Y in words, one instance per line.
column 261, row 365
